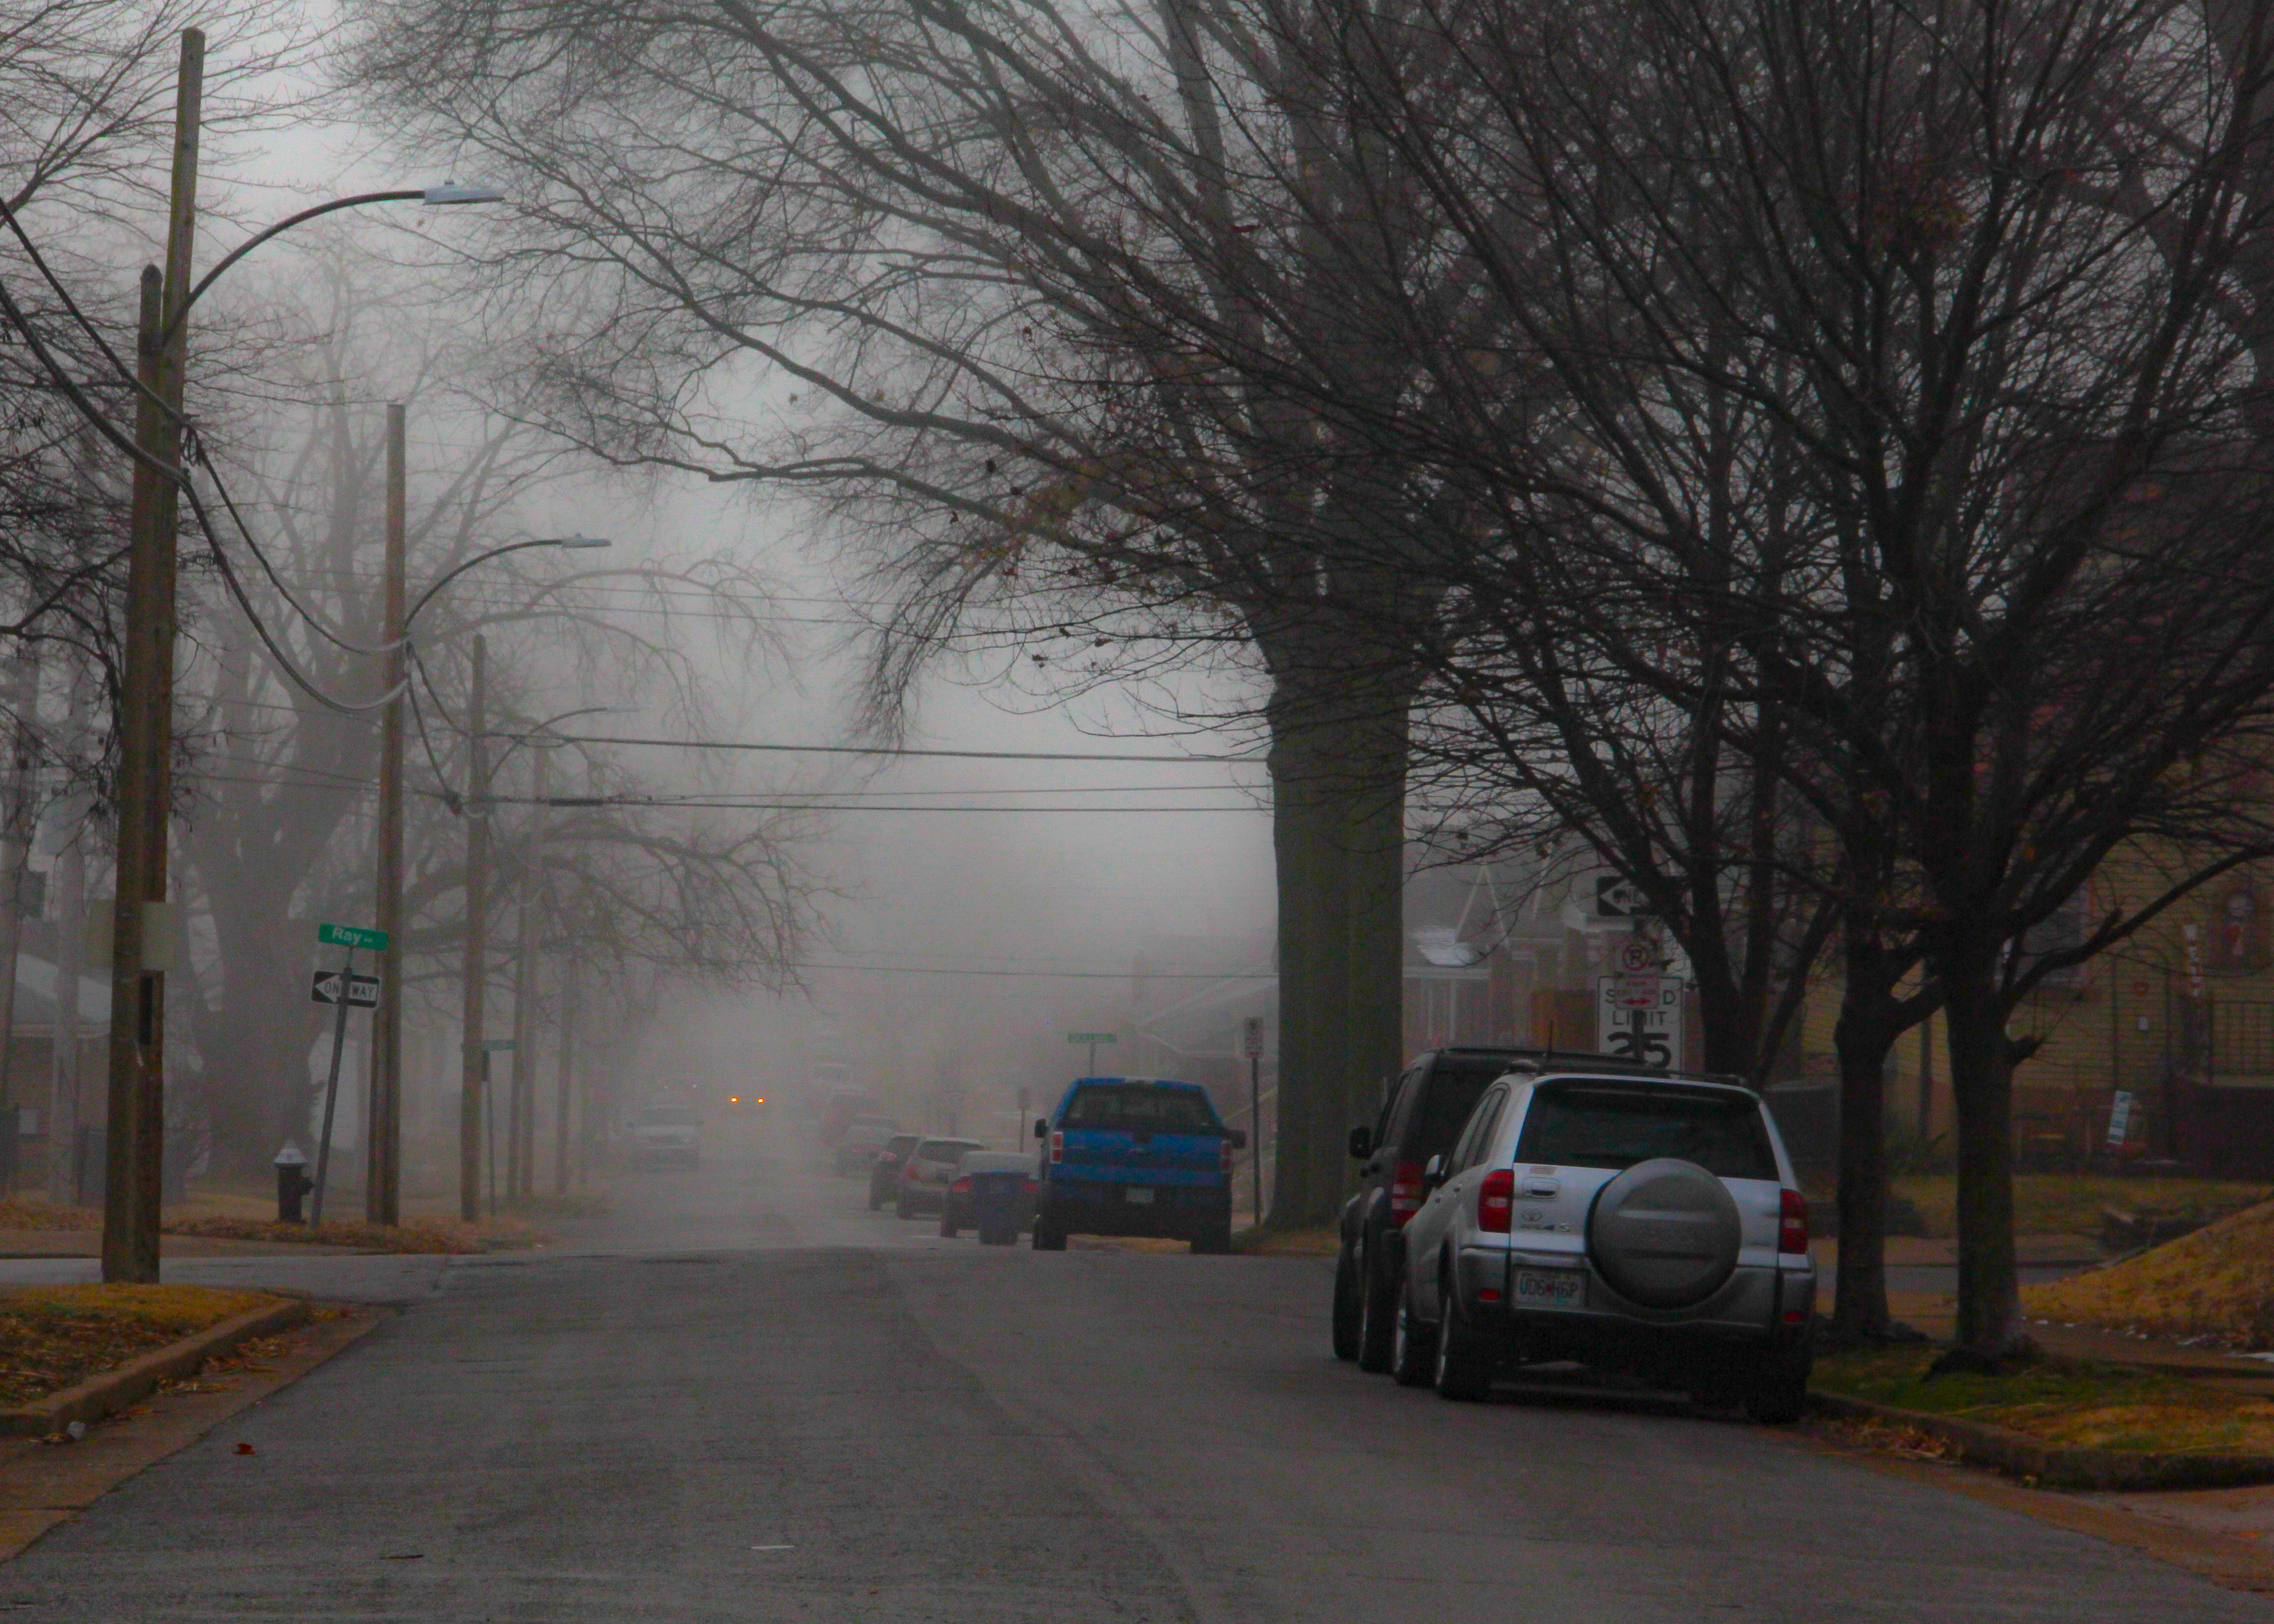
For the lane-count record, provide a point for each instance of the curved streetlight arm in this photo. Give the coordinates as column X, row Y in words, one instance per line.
column 278, row 229
column 482, row 558
column 448, row 193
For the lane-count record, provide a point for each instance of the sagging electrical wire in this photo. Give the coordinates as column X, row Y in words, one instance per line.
column 284, row 661
column 196, row 451
column 450, row 797
column 132, row 379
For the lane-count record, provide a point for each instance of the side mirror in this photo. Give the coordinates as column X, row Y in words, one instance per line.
column 1432, row 1172
column 1361, row 1143
column 1239, row 1139
column 1041, row 1127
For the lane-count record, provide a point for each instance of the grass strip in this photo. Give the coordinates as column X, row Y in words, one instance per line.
column 53, row 1337
column 2071, row 1403
column 2071, row 1203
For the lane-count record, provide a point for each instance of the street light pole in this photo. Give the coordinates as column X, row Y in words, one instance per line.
column 472, row 1054
column 383, row 1169
column 136, row 1148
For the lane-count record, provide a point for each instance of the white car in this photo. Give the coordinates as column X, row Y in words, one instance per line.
column 1649, row 1224
column 665, row 1136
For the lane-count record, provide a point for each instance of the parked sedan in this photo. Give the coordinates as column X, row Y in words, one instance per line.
column 927, row 1173
column 884, row 1170
column 993, row 1192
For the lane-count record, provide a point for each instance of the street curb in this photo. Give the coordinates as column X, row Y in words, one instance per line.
column 2051, row 1466
column 101, row 1396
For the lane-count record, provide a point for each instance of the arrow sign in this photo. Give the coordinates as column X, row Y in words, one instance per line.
column 328, row 986
column 351, row 935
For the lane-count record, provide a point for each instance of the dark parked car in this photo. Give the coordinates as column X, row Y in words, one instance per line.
column 1422, row 1116
column 884, row 1167
column 924, row 1176
column 992, row 1191
column 861, row 1141
column 1136, row 1156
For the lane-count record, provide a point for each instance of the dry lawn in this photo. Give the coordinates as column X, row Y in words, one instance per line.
column 419, row 1234
column 2215, row 1286
column 2073, row 1404
column 2070, row 1204
column 53, row 1337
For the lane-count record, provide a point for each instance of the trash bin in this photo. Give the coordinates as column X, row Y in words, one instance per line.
column 1002, row 1204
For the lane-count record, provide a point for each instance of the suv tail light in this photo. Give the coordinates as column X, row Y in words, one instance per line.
column 1224, row 1157
column 1792, row 1222
column 1496, row 1201
column 909, row 1169
column 961, row 1186
column 1058, row 1147
column 1406, row 1193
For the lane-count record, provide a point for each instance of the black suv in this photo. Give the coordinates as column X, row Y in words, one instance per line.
column 1422, row 1116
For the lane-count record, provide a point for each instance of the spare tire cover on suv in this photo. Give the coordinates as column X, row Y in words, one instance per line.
column 1664, row 1233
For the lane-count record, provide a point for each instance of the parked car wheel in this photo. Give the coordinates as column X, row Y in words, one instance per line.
column 1048, row 1236
column 1348, row 1311
column 1215, row 1236
column 875, row 1200
column 1412, row 1348
column 946, row 1224
column 1463, row 1367
column 1377, row 1313
column 901, row 1207
column 1778, row 1395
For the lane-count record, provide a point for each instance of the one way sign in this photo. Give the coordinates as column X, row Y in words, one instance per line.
column 362, row 990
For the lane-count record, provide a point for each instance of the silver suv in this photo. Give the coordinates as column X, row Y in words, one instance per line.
column 1650, row 1225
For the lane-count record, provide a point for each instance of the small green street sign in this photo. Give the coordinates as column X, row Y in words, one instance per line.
column 1089, row 1037
column 498, row 1046
column 351, row 935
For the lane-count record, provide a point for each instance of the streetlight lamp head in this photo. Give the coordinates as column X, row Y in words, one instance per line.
column 580, row 541
column 450, row 192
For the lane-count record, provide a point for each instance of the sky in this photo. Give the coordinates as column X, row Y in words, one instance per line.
column 995, row 895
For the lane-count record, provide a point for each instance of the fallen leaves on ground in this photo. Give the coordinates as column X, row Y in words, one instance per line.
column 2213, row 1287
column 424, row 1236
column 53, row 1337
column 19, row 1214
column 2072, row 1404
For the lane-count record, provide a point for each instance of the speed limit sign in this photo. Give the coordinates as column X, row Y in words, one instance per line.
column 1639, row 1018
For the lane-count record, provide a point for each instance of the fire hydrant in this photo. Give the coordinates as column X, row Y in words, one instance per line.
column 292, row 1183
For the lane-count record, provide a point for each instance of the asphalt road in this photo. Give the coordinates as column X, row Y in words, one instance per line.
column 747, row 1398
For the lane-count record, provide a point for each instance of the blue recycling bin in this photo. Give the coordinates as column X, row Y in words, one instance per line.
column 1001, row 1195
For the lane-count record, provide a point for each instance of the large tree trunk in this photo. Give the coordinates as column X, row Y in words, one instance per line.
column 1982, row 1083
column 1338, row 787
column 1863, row 1036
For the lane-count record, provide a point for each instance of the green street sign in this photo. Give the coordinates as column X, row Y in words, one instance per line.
column 351, row 935
column 1089, row 1037
column 498, row 1046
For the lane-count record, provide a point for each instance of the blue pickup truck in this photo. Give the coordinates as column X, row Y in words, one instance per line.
column 1135, row 1155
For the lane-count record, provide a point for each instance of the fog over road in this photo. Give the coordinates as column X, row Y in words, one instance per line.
column 744, row 1397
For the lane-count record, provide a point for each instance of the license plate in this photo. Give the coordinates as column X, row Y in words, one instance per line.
column 1139, row 1198
column 1550, row 1289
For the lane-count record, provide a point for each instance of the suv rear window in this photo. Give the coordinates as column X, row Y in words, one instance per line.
column 1606, row 1125
column 1172, row 1110
column 1449, row 1093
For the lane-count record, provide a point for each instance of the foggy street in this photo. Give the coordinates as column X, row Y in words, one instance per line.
column 743, row 1397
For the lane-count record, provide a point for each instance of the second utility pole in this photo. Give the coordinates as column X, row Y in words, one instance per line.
column 472, row 1056
column 382, row 1186
column 136, row 1150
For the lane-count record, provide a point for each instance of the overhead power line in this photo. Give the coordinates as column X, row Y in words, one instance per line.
column 885, row 749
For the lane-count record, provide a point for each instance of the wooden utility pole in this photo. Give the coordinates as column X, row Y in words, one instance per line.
column 382, row 1186
column 15, row 854
column 522, row 1160
column 564, row 1088
column 472, row 1057
column 146, row 731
